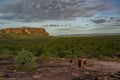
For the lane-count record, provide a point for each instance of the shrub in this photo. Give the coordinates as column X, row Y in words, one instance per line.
column 5, row 52
column 39, row 52
column 25, row 61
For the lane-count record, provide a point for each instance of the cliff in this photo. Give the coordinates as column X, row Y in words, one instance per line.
column 23, row 32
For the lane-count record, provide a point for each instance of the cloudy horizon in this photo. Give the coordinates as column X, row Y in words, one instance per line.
column 61, row 17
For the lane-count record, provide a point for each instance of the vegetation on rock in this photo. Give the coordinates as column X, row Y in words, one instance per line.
column 25, row 61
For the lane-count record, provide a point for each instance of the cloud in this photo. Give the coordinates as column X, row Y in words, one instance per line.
column 4, row 23
column 106, row 28
column 110, row 23
column 6, row 16
column 118, row 11
column 36, row 10
column 117, row 20
column 98, row 21
column 114, row 19
column 110, row 20
column 57, row 25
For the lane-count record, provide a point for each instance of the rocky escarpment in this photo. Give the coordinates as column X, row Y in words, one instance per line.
column 23, row 32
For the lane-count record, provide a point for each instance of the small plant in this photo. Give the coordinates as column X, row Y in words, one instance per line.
column 25, row 61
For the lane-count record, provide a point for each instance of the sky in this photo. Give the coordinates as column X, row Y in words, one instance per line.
column 62, row 17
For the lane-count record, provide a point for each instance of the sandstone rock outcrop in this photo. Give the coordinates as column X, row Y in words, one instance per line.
column 24, row 31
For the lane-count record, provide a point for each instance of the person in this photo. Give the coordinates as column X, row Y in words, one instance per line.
column 80, row 63
column 71, row 62
column 84, row 62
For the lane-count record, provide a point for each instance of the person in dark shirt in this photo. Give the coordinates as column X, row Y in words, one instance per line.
column 71, row 62
column 80, row 63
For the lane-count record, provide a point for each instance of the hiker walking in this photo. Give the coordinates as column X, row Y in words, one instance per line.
column 71, row 62
column 82, row 63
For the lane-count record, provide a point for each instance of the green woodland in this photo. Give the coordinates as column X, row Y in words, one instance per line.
column 63, row 47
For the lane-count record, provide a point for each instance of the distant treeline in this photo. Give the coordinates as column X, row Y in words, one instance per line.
column 68, row 47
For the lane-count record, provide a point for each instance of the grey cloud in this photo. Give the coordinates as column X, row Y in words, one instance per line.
column 109, row 23
column 50, row 9
column 119, row 11
column 7, row 16
column 98, row 21
column 56, row 25
column 106, row 28
column 114, row 19
column 117, row 25
column 107, row 19
column 117, row 20
column 4, row 23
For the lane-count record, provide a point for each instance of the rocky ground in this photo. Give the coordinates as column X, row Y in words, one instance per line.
column 61, row 70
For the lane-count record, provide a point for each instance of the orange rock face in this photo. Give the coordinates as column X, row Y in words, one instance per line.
column 27, row 31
